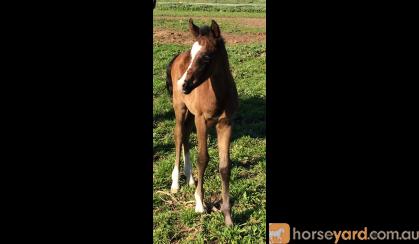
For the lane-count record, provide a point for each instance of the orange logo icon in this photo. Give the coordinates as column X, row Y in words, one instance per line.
column 279, row 233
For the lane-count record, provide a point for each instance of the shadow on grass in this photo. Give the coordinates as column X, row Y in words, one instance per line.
column 250, row 118
column 169, row 115
column 248, row 121
column 242, row 217
column 160, row 150
column 248, row 163
column 238, row 218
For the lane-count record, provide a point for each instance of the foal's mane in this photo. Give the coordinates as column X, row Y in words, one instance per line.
column 169, row 84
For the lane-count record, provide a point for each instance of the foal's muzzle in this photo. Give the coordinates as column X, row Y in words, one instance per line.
column 187, row 87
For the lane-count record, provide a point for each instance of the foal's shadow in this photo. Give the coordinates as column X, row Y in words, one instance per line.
column 168, row 115
column 238, row 218
column 249, row 120
column 243, row 217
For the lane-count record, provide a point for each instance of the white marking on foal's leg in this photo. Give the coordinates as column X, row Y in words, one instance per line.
column 188, row 168
column 195, row 49
column 175, row 180
column 199, row 207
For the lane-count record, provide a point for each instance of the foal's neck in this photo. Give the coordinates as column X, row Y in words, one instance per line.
column 222, row 68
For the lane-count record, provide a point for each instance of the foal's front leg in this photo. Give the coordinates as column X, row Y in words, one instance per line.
column 223, row 137
column 203, row 158
column 189, row 121
column 179, row 132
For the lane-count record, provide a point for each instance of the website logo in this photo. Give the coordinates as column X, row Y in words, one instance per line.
column 279, row 233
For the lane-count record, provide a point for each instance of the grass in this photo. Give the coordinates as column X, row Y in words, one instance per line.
column 171, row 12
column 190, row 10
column 212, row 8
column 174, row 219
column 217, row 1
column 229, row 25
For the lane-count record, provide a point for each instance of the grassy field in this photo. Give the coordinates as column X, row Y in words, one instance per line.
column 217, row 1
column 230, row 25
column 174, row 218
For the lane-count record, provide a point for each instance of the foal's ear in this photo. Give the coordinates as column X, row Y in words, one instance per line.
column 215, row 29
column 193, row 28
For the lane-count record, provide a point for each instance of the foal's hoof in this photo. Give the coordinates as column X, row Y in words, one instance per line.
column 174, row 188
column 199, row 209
column 191, row 182
column 228, row 221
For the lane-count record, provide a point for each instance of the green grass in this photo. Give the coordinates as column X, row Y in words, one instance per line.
column 170, row 12
column 189, row 10
column 181, row 24
column 212, row 8
column 247, row 154
column 217, row 1
column 174, row 219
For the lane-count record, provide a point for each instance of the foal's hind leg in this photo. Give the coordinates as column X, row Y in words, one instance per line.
column 203, row 158
column 223, row 137
column 180, row 112
column 186, row 146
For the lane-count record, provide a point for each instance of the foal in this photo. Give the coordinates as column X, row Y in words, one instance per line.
column 203, row 91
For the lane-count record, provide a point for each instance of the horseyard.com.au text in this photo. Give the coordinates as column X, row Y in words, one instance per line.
column 281, row 233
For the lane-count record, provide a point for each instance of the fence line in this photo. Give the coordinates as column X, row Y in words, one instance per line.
column 216, row 4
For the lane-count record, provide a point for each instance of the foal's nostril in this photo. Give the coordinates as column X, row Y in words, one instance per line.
column 184, row 85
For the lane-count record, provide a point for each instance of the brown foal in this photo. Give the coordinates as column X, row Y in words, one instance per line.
column 203, row 91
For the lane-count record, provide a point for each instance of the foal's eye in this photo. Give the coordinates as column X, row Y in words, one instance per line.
column 206, row 58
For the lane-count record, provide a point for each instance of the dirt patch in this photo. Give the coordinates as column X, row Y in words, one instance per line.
column 251, row 22
column 259, row 23
column 175, row 37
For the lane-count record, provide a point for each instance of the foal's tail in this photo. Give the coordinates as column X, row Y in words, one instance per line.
column 169, row 84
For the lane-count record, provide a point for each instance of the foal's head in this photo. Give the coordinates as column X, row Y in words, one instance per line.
column 205, row 50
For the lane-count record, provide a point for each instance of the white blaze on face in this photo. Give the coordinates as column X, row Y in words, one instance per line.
column 195, row 49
